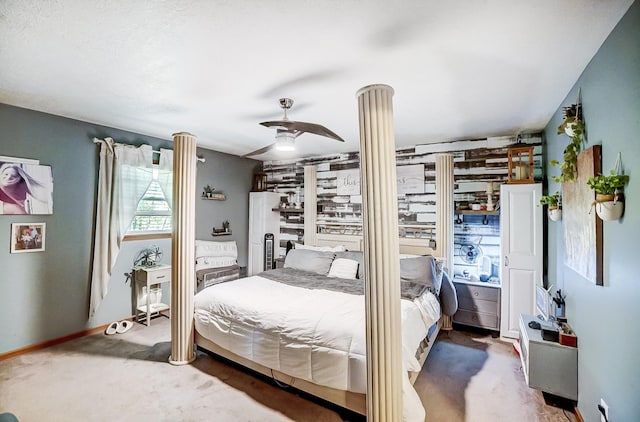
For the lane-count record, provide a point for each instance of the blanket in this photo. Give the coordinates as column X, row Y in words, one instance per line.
column 310, row 280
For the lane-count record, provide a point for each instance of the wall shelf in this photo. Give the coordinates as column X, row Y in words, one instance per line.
column 215, row 197
column 479, row 212
column 291, row 210
column 221, row 233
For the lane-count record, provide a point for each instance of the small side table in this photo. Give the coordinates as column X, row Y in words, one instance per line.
column 149, row 293
column 548, row 366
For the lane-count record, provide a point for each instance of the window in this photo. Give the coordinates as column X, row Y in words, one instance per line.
column 153, row 211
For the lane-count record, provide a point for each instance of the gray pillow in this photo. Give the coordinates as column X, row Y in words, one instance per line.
column 356, row 256
column 423, row 270
column 448, row 297
column 309, row 260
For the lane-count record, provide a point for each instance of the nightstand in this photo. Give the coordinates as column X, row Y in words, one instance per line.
column 149, row 282
column 478, row 305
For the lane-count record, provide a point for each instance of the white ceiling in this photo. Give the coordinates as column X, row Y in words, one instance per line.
column 460, row 69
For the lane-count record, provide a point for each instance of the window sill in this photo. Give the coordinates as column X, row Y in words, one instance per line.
column 146, row 236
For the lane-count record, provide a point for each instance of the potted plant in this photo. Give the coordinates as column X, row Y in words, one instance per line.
column 574, row 127
column 225, row 225
column 609, row 201
column 554, row 202
column 207, row 191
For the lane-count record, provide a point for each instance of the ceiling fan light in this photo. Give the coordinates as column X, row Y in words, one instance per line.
column 285, row 141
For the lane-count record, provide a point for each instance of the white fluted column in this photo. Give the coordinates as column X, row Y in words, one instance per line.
column 310, row 204
column 183, row 248
column 381, row 253
column 444, row 216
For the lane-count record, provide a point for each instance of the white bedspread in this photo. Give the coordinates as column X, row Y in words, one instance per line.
column 316, row 335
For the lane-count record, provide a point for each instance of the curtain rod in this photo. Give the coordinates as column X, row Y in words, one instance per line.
column 201, row 159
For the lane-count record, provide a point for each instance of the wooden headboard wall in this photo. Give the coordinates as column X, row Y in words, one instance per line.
column 416, row 246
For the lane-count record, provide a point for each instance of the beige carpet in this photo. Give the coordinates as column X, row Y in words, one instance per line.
column 470, row 376
column 126, row 377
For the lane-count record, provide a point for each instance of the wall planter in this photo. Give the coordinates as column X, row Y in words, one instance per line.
column 573, row 126
column 609, row 203
column 554, row 202
column 555, row 213
column 609, row 207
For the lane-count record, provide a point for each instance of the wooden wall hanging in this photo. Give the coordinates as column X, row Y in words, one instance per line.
column 582, row 228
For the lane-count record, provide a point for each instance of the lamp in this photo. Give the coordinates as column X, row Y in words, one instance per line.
column 259, row 181
column 520, row 163
column 285, row 141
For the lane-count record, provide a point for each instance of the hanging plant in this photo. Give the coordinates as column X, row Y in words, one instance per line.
column 574, row 127
column 608, row 185
column 609, row 201
column 554, row 202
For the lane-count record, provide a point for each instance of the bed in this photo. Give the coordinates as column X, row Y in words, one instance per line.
column 304, row 324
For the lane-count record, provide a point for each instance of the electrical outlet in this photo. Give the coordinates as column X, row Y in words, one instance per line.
column 605, row 417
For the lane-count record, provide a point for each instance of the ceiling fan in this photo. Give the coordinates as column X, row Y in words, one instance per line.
column 289, row 130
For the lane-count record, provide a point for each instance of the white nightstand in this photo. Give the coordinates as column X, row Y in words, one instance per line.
column 149, row 291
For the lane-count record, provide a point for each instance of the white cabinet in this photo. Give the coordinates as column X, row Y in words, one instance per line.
column 262, row 220
column 548, row 366
column 521, row 260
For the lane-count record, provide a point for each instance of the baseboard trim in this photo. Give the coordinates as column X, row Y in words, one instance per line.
column 577, row 413
column 53, row 342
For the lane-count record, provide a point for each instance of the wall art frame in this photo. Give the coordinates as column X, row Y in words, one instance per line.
column 28, row 237
column 25, row 187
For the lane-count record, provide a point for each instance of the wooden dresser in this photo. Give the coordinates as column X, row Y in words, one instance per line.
column 478, row 305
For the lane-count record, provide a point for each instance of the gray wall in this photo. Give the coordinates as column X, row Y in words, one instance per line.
column 45, row 295
column 605, row 317
column 233, row 176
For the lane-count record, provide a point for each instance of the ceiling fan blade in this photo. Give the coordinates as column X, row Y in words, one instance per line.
column 303, row 127
column 261, row 150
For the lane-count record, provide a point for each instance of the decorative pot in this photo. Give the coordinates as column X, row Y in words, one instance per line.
column 609, row 207
column 555, row 213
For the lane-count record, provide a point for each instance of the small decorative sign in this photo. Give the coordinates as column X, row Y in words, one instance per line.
column 27, row 237
column 348, row 182
column 410, row 179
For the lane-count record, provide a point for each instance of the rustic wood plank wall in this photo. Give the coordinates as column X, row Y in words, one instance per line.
column 476, row 162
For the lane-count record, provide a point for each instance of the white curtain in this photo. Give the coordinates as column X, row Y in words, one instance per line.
column 165, row 174
column 124, row 176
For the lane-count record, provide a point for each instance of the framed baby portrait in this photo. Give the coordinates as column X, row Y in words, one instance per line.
column 27, row 237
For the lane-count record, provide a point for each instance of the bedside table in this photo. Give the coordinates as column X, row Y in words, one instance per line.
column 478, row 304
column 149, row 291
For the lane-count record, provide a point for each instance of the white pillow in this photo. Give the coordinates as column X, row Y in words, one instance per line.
column 215, row 248
column 338, row 248
column 343, row 268
column 203, row 262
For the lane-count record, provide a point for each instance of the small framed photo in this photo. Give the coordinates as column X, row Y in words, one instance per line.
column 27, row 237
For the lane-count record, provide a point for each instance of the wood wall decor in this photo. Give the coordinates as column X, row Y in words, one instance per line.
column 582, row 228
column 476, row 163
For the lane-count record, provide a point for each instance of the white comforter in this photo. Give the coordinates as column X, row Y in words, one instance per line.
column 316, row 335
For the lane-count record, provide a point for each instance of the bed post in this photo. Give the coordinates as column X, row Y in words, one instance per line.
column 445, row 185
column 183, row 248
column 381, row 253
